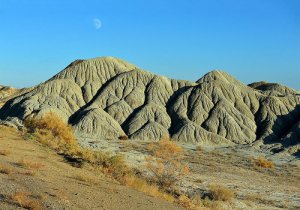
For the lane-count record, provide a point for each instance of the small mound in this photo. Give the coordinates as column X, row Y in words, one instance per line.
column 273, row 88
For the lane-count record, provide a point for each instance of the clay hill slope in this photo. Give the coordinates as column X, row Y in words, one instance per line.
column 108, row 98
column 7, row 93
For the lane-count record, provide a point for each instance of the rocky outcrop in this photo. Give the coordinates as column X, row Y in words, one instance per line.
column 108, row 98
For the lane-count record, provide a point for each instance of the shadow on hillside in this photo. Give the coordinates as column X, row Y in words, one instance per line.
column 281, row 128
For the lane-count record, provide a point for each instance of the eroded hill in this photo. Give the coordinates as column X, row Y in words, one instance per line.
column 107, row 98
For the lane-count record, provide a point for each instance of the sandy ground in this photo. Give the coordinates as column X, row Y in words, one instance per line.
column 55, row 183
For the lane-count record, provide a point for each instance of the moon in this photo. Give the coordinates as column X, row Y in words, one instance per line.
column 97, row 23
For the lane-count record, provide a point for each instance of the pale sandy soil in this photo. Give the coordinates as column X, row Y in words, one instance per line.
column 255, row 187
column 55, row 184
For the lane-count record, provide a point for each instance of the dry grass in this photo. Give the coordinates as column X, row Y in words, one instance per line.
column 53, row 132
column 28, row 164
column 86, row 178
column 5, row 152
column 263, row 163
column 28, row 173
column 193, row 204
column 6, row 170
column 51, row 122
column 150, row 189
column 199, row 148
column 124, row 138
column 258, row 198
column 62, row 195
column 6, row 129
column 23, row 200
column 221, row 193
column 166, row 163
column 50, row 130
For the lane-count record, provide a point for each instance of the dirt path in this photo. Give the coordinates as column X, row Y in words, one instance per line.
column 57, row 185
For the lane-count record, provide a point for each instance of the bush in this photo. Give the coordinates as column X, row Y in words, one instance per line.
column 86, row 178
column 193, row 204
column 5, row 152
column 221, row 193
column 5, row 169
column 263, row 163
column 166, row 163
column 23, row 200
column 53, row 124
column 28, row 164
column 124, row 138
column 53, row 132
column 143, row 186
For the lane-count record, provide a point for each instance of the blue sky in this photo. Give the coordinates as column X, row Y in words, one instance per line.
column 253, row 40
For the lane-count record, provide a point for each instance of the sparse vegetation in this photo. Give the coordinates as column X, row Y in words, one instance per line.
column 199, row 148
column 23, row 199
column 124, row 138
column 28, row 164
column 28, row 173
column 143, row 186
column 193, row 204
column 4, row 152
column 5, row 169
column 166, row 163
column 53, row 132
column 86, row 178
column 263, row 163
column 5, row 128
column 221, row 193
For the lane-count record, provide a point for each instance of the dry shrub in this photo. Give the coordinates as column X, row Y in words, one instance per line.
column 124, row 138
column 166, row 163
column 6, row 129
column 52, row 130
column 62, row 195
column 5, row 152
column 150, row 189
column 28, row 173
column 193, row 204
column 86, row 178
column 117, row 167
column 199, row 148
column 216, row 205
column 221, row 193
column 28, row 164
column 263, row 163
column 55, row 133
column 23, row 200
column 258, row 198
column 6, row 170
